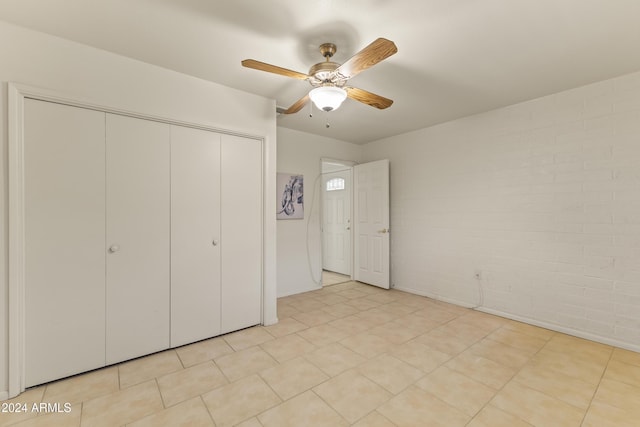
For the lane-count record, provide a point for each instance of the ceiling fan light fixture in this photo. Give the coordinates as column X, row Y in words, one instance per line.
column 328, row 98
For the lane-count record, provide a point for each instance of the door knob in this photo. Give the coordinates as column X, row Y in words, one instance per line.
column 214, row 242
column 114, row 248
column 383, row 231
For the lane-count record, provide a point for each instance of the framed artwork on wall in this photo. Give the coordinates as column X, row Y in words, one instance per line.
column 290, row 192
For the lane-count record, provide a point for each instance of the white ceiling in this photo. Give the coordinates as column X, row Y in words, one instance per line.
column 455, row 57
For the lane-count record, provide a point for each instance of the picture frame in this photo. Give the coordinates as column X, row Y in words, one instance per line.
column 290, row 196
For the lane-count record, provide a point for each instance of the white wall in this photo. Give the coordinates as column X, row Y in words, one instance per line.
column 110, row 80
column 542, row 199
column 300, row 240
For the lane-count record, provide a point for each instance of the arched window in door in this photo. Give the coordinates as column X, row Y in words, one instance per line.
column 335, row 184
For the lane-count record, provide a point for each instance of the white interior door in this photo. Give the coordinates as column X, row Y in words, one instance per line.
column 64, row 256
column 371, row 222
column 138, row 233
column 336, row 221
column 195, row 235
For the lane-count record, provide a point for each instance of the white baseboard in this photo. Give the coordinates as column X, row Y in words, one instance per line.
column 299, row 291
column 434, row 296
column 547, row 325
column 565, row 330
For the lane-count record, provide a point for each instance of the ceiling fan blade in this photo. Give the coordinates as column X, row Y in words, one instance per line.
column 296, row 107
column 263, row 66
column 377, row 51
column 368, row 98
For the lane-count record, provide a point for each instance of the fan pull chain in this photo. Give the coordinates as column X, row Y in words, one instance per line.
column 310, row 109
column 327, row 125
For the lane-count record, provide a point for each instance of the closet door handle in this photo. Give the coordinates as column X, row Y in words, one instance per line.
column 214, row 242
column 113, row 249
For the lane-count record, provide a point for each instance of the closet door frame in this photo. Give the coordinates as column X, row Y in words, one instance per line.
column 17, row 93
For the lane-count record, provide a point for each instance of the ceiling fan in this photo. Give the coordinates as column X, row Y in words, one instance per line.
column 329, row 79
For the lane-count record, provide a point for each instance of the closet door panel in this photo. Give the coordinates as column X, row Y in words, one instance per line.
column 195, row 235
column 241, row 240
column 138, row 237
column 64, row 240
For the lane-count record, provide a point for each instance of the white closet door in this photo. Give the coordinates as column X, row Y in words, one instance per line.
column 195, row 235
column 138, row 233
column 241, row 239
column 64, row 240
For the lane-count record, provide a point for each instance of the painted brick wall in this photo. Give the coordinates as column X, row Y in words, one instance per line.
column 531, row 211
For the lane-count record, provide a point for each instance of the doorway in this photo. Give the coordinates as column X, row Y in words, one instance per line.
column 336, row 202
column 355, row 221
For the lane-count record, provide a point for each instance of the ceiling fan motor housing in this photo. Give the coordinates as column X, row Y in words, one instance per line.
column 322, row 72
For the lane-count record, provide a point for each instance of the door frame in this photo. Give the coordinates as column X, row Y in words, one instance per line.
column 17, row 93
column 348, row 165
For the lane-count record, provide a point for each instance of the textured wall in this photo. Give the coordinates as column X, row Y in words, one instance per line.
column 530, row 211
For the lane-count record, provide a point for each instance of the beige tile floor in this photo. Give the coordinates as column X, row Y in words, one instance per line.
column 352, row 354
column 331, row 278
